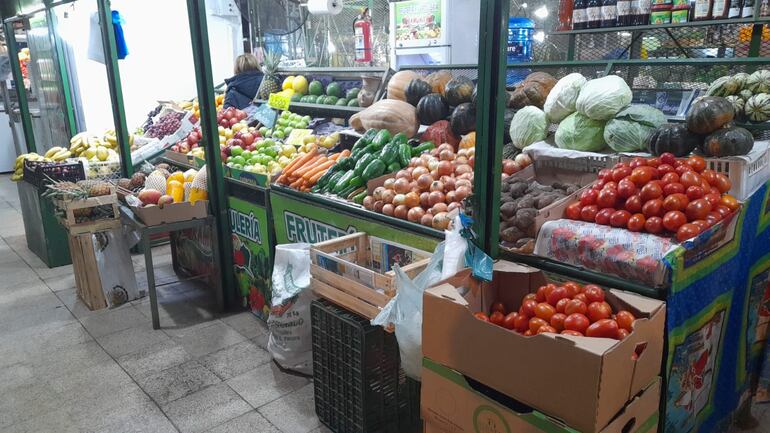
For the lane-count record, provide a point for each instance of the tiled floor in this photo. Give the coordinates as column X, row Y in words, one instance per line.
column 66, row 369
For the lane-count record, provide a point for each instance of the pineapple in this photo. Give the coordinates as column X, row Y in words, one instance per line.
column 156, row 180
column 199, row 188
column 270, row 83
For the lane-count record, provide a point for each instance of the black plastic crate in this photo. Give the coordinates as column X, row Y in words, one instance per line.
column 359, row 387
column 41, row 173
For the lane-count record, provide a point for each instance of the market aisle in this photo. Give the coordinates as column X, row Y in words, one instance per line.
column 66, row 369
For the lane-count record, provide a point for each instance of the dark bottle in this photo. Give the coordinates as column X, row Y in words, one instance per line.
column 720, row 9
column 702, row 10
column 624, row 13
column 747, row 11
column 734, row 11
column 643, row 12
column 609, row 13
column 593, row 14
column 565, row 15
column 579, row 14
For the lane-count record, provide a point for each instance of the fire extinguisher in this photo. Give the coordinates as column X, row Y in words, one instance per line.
column 362, row 28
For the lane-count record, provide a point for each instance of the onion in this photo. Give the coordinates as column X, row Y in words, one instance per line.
column 441, row 221
column 510, row 166
column 445, row 146
column 401, row 212
column 425, row 199
column 413, row 186
column 434, row 173
column 438, row 208
column 446, row 155
column 462, row 153
column 387, row 196
column 424, row 182
column 401, row 186
column 403, row 173
column 415, row 214
column 468, row 176
column 414, row 162
column 503, row 176
column 427, row 220
column 433, row 164
column 419, row 171
column 436, row 197
column 463, row 182
column 399, row 199
column 523, row 160
column 388, row 184
column 471, row 151
column 451, row 197
column 462, row 169
column 449, row 183
column 461, row 160
column 425, row 157
column 378, row 206
column 377, row 194
column 462, row 192
column 368, row 202
column 454, row 205
column 437, row 185
column 444, row 168
column 472, row 161
column 388, row 209
column 434, row 152
column 412, row 199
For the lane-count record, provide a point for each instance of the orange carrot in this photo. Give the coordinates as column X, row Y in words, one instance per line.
column 299, row 162
column 318, row 168
column 297, row 183
column 310, row 165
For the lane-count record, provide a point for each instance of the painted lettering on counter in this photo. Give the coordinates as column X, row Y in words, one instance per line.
column 246, row 226
column 301, row 229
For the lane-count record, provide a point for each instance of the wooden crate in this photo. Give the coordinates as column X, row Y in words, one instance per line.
column 87, row 279
column 92, row 226
column 342, row 273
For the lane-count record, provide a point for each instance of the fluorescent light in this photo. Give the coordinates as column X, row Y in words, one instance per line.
column 541, row 12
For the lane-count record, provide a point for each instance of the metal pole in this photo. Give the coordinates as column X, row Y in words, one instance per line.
column 196, row 10
column 116, row 89
column 489, row 122
column 56, row 42
column 21, row 91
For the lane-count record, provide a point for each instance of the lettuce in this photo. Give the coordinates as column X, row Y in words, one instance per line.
column 560, row 102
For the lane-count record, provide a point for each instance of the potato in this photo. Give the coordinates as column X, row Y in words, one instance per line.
column 511, row 234
column 517, row 190
column 525, row 218
column 508, row 209
column 523, row 241
column 525, row 202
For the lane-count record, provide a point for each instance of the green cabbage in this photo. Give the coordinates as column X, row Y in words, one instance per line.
column 528, row 126
column 560, row 102
column 578, row 132
column 602, row 98
column 631, row 127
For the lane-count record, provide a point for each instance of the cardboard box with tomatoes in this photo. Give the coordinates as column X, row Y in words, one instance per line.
column 592, row 361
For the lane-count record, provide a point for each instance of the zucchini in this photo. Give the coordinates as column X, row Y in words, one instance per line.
column 404, row 154
column 332, row 181
column 342, row 182
column 346, row 163
column 356, row 181
column 381, row 139
column 359, row 198
column 375, row 168
column 424, row 147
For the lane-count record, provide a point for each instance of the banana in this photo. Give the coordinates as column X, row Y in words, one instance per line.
column 61, row 156
column 112, row 141
column 53, row 151
column 77, row 137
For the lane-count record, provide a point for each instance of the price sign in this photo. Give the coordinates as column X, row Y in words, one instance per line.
column 265, row 115
column 297, row 136
column 279, row 101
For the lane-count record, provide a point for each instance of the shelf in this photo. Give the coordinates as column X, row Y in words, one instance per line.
column 661, row 26
column 319, row 110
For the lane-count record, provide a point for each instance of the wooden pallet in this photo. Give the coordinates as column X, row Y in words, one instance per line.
column 87, row 279
column 92, row 226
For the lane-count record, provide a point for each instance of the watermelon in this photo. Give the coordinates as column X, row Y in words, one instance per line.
column 342, row 102
column 311, row 99
column 353, row 102
column 723, row 86
column 759, row 82
column 334, row 89
column 296, row 97
column 330, row 100
column 758, row 108
column 352, row 93
column 316, row 88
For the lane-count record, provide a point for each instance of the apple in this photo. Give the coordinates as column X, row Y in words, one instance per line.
column 192, row 138
column 251, row 148
column 184, row 147
column 227, row 150
column 236, row 142
column 247, row 138
column 175, row 148
column 200, row 134
column 164, row 200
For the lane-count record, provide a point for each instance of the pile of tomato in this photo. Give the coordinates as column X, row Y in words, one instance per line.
column 569, row 309
column 659, row 195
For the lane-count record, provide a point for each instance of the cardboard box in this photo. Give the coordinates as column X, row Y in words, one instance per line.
column 588, row 379
column 450, row 403
column 170, row 213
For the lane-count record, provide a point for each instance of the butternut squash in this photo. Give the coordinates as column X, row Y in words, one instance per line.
column 391, row 114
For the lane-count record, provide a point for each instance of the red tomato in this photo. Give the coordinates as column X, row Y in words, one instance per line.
column 677, row 201
column 598, row 185
column 705, row 186
column 588, row 197
column 577, row 322
column 682, row 169
column 573, row 288
column 637, row 162
column 588, row 213
column 713, row 198
column 528, row 333
column 730, row 202
column 673, row 188
column 713, row 217
column 722, row 183
column 651, row 191
column 530, row 296
column 653, row 208
column 481, row 316
column 623, row 333
column 653, row 162
column 665, row 169
column 571, row 332
column 633, row 204
column 668, row 158
column 557, row 321
column 546, row 329
column 611, row 184
column 673, row 220
column 509, row 322
column 620, row 218
column 557, row 294
column 698, row 209
column 670, row 177
column 605, row 328
column 575, row 306
column 573, row 211
column 528, row 308
column 498, row 306
column 540, row 293
column 642, row 175
column 625, row 320
column 694, row 192
column 582, row 297
column 605, row 173
column 636, row 222
column 626, row 188
column 697, row 163
column 710, row 176
column 606, row 198
column 687, row 231
column 497, row 318
column 690, row 178
column 598, row 311
column 620, row 173
column 723, row 210
column 653, row 225
column 521, row 323
column 544, row 311
column 703, row 225
column 603, row 216
column 562, row 304
column 594, row 293
column 535, row 323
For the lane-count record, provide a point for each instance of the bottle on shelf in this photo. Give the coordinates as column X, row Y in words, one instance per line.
column 643, row 13
column 720, row 9
column 625, row 17
column 702, row 10
column 764, row 8
column 593, row 14
column 565, row 14
column 747, row 10
column 579, row 15
column 609, row 13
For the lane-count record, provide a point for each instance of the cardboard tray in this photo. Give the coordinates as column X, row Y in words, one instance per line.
column 170, row 213
column 603, row 373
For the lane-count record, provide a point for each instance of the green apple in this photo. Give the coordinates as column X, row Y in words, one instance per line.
column 279, row 134
column 263, row 131
column 285, row 114
column 236, row 150
column 288, row 130
column 307, row 119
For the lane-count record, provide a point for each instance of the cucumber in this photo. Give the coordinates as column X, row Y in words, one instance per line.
column 404, row 154
column 393, row 167
column 389, row 153
column 400, row 138
column 375, row 168
column 363, row 162
column 381, row 139
column 424, row 147
column 342, row 182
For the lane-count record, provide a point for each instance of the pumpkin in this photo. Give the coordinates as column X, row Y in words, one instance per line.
column 415, row 90
column 463, row 119
column 757, row 108
column 439, row 133
column 741, row 78
column 468, row 141
column 432, row 108
column 398, row 82
column 532, row 91
column 438, row 80
column 759, row 81
column 708, row 114
column 724, row 86
column 391, row 114
column 543, row 78
column 745, row 94
column 738, row 105
column 673, row 138
column 728, row 142
column 458, row 91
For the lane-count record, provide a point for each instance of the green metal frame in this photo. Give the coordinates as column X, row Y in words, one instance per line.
column 69, row 111
column 18, row 79
column 116, row 90
column 196, row 10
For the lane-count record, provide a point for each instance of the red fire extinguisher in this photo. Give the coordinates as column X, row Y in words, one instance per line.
column 362, row 27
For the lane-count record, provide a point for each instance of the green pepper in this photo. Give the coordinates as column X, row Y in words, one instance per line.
column 375, row 168
column 404, row 154
column 381, row 139
column 389, row 153
column 424, row 147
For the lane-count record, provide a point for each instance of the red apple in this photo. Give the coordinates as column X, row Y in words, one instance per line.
column 175, row 148
column 233, row 121
column 226, row 151
column 184, row 147
column 247, row 138
column 193, row 138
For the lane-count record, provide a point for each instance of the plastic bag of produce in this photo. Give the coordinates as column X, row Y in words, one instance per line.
column 631, row 127
column 603, row 98
column 290, row 339
column 578, row 132
column 560, row 102
column 529, row 125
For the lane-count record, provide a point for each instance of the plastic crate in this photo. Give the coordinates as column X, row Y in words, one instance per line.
column 747, row 173
column 359, row 387
column 40, row 173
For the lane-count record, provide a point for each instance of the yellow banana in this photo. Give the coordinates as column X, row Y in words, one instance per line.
column 61, row 156
column 53, row 151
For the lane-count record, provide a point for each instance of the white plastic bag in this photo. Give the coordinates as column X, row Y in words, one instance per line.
column 290, row 339
column 454, row 250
